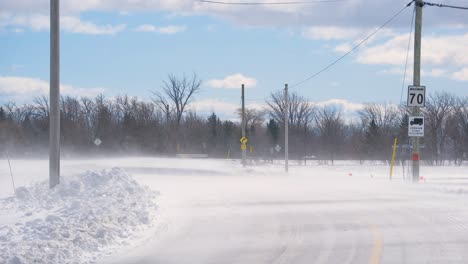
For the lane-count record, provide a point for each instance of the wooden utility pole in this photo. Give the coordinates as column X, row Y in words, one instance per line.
column 286, row 128
column 417, row 82
column 244, row 151
column 54, row 115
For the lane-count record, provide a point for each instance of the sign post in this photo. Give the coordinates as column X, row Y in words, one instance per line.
column 417, row 81
column 393, row 157
column 243, row 147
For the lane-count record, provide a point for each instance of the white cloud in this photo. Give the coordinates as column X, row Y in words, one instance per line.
column 435, row 72
column 213, row 105
column 23, row 87
column 343, row 48
column 392, row 52
column 161, row 30
column 223, row 109
column 335, row 16
column 75, row 25
column 356, row 13
column 440, row 56
column 330, row 33
column 18, row 30
column 345, row 105
column 38, row 22
column 233, row 82
column 437, row 50
column 349, row 109
column 461, row 75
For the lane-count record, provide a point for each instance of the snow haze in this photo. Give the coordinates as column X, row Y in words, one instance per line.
column 215, row 211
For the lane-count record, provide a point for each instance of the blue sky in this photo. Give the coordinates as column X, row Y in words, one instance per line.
column 129, row 47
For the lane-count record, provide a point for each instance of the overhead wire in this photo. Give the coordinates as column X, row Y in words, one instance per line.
column 407, row 55
column 444, row 5
column 354, row 48
column 270, row 3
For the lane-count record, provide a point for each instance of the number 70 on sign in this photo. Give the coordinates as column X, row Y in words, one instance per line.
column 416, row 96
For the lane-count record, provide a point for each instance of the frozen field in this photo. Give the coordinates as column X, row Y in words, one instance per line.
column 215, row 211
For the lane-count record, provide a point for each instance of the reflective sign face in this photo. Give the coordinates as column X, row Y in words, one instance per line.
column 277, row 148
column 416, row 126
column 416, row 96
column 97, row 142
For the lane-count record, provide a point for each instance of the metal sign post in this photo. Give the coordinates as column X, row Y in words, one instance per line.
column 244, row 152
column 417, row 82
column 286, row 129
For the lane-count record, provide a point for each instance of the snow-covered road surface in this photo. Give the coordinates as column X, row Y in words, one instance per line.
column 215, row 211
column 221, row 213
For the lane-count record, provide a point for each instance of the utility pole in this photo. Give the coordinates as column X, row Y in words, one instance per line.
column 286, row 128
column 54, row 114
column 417, row 82
column 244, row 150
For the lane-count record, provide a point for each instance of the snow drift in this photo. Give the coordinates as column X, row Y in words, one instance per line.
column 85, row 217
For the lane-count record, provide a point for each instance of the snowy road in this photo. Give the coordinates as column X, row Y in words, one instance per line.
column 214, row 211
column 219, row 213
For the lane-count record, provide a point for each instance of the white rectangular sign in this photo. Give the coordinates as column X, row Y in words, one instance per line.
column 416, row 126
column 416, row 96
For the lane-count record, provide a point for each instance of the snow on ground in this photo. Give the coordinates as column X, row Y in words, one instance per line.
column 86, row 216
column 102, row 213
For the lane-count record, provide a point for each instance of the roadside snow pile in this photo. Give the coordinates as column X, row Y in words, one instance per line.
column 82, row 218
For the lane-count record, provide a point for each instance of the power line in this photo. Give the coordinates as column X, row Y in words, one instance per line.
column 443, row 5
column 407, row 55
column 271, row 3
column 354, row 48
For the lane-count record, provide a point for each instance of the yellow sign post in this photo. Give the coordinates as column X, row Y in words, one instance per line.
column 393, row 158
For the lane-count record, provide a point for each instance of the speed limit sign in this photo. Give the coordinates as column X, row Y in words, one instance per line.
column 416, row 96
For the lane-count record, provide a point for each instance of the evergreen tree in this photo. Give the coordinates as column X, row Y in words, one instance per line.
column 213, row 124
column 2, row 114
column 273, row 130
column 372, row 139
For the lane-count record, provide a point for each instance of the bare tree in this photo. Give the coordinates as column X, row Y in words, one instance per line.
column 253, row 118
column 380, row 123
column 385, row 116
column 176, row 95
column 42, row 106
column 439, row 107
column 457, row 130
column 301, row 111
column 331, row 127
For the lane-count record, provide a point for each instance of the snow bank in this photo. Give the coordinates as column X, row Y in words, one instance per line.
column 85, row 217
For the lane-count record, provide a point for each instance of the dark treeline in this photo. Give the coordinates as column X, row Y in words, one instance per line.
column 165, row 126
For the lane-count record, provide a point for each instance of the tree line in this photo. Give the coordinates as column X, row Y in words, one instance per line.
column 164, row 125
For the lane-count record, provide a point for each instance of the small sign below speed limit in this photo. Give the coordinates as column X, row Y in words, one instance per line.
column 416, row 96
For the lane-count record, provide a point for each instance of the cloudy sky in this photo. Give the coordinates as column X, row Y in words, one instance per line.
column 129, row 47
